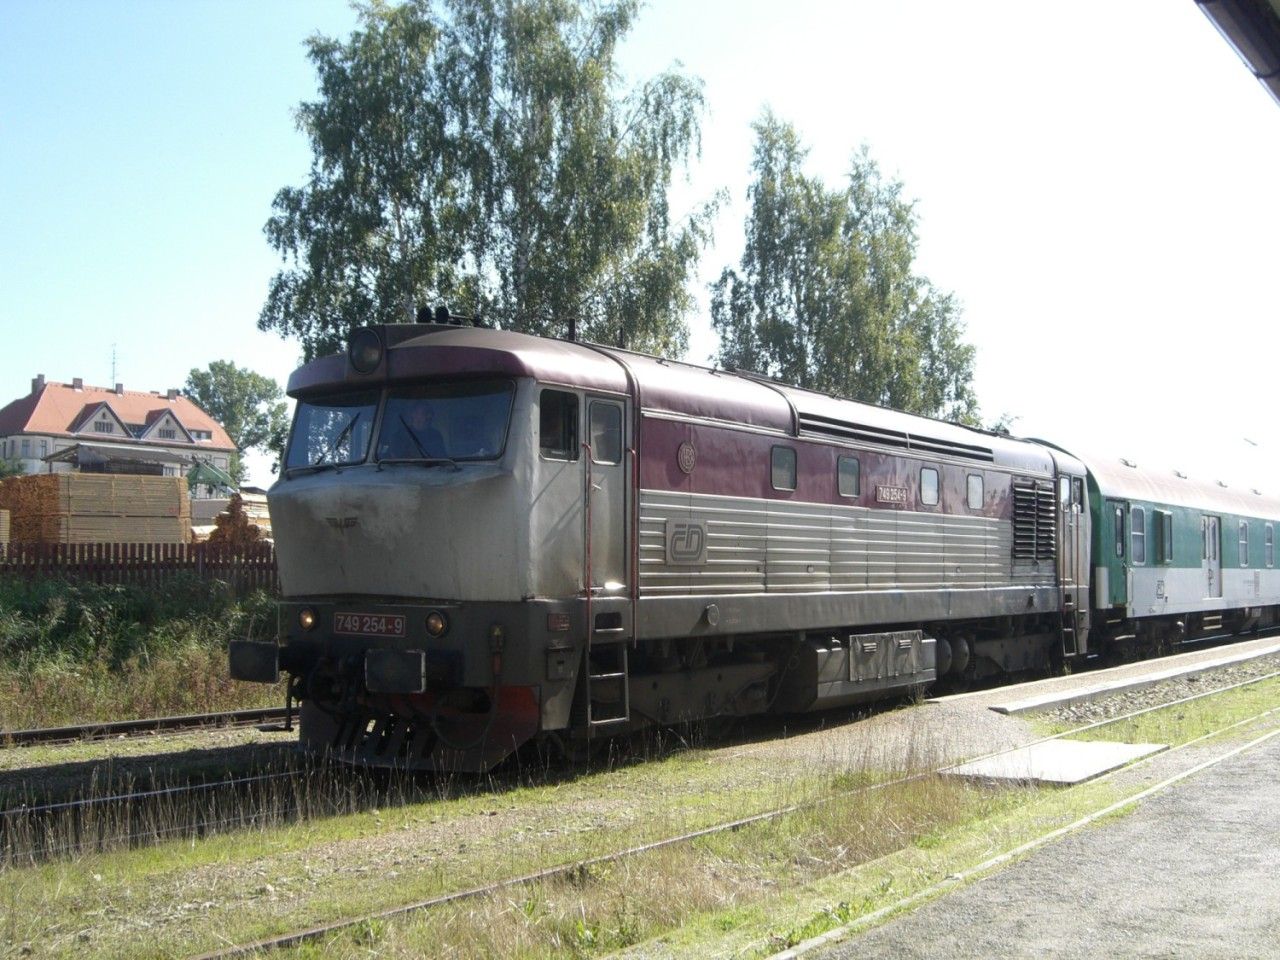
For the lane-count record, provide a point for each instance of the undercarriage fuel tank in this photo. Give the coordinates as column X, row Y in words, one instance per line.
column 838, row 670
column 405, row 530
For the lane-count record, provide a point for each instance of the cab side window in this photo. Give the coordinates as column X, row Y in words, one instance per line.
column 558, row 425
column 606, row 433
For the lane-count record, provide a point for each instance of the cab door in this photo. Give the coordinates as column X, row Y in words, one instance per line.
column 607, row 472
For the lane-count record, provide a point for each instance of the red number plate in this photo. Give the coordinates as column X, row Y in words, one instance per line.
column 369, row 624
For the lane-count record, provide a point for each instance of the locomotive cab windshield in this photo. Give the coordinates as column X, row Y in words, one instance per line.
column 441, row 422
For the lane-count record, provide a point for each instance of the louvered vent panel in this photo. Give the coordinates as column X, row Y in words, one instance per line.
column 1034, row 526
column 1046, row 527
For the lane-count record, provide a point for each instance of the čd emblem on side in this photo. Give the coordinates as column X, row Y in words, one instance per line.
column 686, row 541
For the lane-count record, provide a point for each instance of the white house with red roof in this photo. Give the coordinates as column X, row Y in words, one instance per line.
column 61, row 427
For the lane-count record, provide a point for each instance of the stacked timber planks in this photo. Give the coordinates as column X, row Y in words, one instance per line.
column 4, row 527
column 97, row 508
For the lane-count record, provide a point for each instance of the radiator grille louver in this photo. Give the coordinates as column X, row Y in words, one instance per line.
column 813, row 424
column 1034, row 520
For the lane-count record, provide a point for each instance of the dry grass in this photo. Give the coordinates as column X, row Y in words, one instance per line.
column 606, row 908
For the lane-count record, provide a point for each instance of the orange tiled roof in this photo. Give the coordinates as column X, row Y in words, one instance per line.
column 56, row 408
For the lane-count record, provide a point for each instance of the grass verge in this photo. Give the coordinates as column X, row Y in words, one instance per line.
column 77, row 652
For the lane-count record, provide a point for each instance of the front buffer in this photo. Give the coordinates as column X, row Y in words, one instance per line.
column 448, row 687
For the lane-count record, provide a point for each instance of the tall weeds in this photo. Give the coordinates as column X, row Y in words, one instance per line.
column 72, row 652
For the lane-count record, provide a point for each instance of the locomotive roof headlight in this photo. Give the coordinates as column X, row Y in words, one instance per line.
column 365, row 350
column 306, row 618
column 437, row 623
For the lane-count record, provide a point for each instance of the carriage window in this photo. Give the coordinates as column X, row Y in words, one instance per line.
column 975, row 492
column 784, row 468
column 847, row 478
column 606, row 433
column 929, row 486
column 1244, row 543
column 1138, row 533
column 1119, row 531
column 1164, row 536
column 558, row 425
column 1270, row 546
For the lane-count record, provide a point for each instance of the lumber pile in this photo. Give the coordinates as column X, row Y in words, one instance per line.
column 97, row 508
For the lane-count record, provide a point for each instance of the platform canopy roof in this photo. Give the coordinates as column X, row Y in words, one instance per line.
column 1252, row 27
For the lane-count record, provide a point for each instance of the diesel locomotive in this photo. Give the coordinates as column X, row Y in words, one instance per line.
column 486, row 538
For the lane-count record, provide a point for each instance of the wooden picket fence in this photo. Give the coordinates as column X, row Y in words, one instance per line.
column 247, row 568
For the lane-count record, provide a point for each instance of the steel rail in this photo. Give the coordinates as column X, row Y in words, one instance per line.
column 298, row 937
column 116, row 728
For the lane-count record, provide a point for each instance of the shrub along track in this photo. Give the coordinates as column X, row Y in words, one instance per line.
column 585, row 867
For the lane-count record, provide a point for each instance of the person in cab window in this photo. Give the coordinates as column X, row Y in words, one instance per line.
column 412, row 435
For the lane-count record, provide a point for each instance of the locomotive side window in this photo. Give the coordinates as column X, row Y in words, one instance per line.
column 558, row 425
column 1077, row 494
column 1270, row 545
column 847, row 476
column 606, row 433
column 1064, row 492
column 1244, row 543
column 784, row 468
column 929, row 486
column 1119, row 531
column 975, row 491
column 1138, row 533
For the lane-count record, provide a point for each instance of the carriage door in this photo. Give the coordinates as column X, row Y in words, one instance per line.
column 1114, row 546
column 606, row 479
column 1210, row 555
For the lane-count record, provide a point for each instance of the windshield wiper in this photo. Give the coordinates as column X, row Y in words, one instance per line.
column 413, row 436
column 332, row 448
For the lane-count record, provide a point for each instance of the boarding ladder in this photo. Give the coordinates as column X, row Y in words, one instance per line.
column 1070, row 640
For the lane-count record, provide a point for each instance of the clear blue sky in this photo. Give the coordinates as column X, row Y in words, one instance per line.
column 1095, row 181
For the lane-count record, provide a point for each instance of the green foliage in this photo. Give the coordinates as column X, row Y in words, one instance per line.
column 72, row 652
column 249, row 406
column 60, row 620
column 826, row 296
column 480, row 152
column 10, row 468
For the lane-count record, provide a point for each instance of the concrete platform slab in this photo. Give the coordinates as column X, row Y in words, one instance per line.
column 1057, row 762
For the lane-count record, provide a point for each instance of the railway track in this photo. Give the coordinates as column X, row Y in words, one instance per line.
column 582, row 867
column 133, row 728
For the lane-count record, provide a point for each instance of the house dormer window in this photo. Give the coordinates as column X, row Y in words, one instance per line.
column 167, row 433
column 103, row 426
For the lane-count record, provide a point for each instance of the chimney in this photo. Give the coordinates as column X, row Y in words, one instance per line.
column 77, row 383
column 37, row 383
column 173, row 393
column 119, row 389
